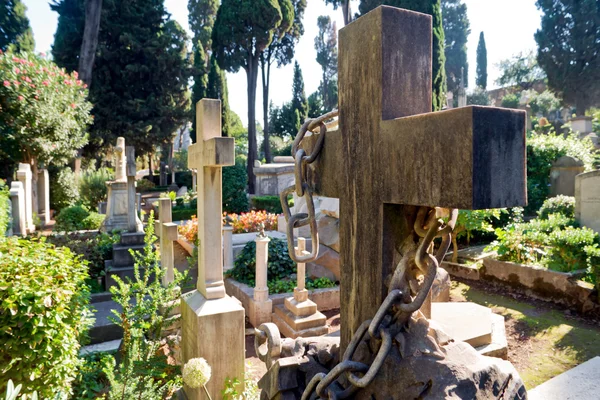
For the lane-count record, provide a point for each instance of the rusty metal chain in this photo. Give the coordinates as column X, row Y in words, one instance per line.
column 402, row 300
column 302, row 188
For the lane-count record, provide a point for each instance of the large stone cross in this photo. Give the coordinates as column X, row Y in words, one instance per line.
column 166, row 230
column 209, row 156
column 392, row 154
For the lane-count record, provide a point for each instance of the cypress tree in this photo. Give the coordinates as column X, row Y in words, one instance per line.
column 15, row 32
column 482, row 75
column 327, row 57
column 69, row 32
column 200, row 75
column 456, row 32
column 433, row 8
column 299, row 101
column 217, row 89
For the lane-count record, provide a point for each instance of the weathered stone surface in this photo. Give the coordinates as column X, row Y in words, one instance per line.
column 329, row 259
column 329, row 231
column 562, row 175
column 466, row 322
column 330, row 207
column 440, row 290
column 581, row 382
column 587, row 199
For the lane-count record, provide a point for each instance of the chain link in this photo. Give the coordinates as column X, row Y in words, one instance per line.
column 302, row 188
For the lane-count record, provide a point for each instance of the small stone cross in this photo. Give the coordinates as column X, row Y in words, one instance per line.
column 166, row 230
column 392, row 154
column 209, row 156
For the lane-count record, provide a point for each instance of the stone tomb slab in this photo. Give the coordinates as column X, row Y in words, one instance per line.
column 465, row 322
column 581, row 382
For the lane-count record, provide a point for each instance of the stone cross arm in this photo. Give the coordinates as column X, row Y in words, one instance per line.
column 468, row 158
column 168, row 230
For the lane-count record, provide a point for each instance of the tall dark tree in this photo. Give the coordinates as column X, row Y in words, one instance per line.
column 456, row 32
column 15, row 32
column 433, row 8
column 243, row 30
column 481, row 78
column 140, row 86
column 89, row 43
column 281, row 50
column 200, row 75
column 569, row 50
column 327, row 56
column 345, row 6
column 299, row 101
column 217, row 89
column 69, row 32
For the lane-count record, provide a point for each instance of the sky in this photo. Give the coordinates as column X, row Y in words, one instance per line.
column 508, row 26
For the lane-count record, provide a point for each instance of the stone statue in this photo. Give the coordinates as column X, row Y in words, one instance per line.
column 120, row 175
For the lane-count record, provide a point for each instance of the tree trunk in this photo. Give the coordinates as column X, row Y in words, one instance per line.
column 581, row 105
column 150, row 166
column 266, row 72
column 93, row 11
column 347, row 12
column 252, row 77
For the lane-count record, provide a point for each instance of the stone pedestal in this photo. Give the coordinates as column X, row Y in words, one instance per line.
column 227, row 247
column 24, row 176
column 213, row 330
column 117, row 217
column 262, row 307
column 587, row 199
column 17, row 198
column 582, row 125
column 43, row 192
column 562, row 175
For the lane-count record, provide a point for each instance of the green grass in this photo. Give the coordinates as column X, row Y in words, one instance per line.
column 558, row 343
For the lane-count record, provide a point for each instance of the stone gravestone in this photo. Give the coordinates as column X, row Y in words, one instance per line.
column 212, row 322
column 166, row 230
column 261, row 308
column 587, row 199
column 17, row 198
column 390, row 158
column 562, row 176
column 43, row 192
column 24, row 176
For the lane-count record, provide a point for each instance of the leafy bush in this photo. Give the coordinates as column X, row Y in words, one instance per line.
column 510, row 101
column 44, row 300
column 560, row 204
column 469, row 221
column 270, row 204
column 593, row 261
column 4, row 208
column 543, row 103
column 91, row 381
column 144, row 185
column 183, row 213
column 479, row 97
column 566, row 248
column 542, row 151
column 252, row 221
column 77, row 218
column 183, row 178
column 235, row 180
column 64, row 191
column 92, row 187
column 280, row 264
column 288, row 285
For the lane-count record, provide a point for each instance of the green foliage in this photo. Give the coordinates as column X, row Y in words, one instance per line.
column 144, row 185
column 566, row 251
column 568, row 50
column 511, row 100
column 280, row 264
column 542, row 151
column 200, row 75
column 217, row 89
column 201, row 17
column 234, row 189
column 183, row 213
column 520, row 70
column 287, row 285
column 481, row 78
column 76, row 218
column 15, row 33
column 63, row 190
column 456, row 32
column 299, row 101
column 251, row 390
column 91, row 381
column 315, row 105
column 543, row 103
column 5, row 219
column 12, row 392
column 327, row 57
column 478, row 97
column 270, row 204
column 44, row 110
column 560, row 204
column 593, row 261
column 69, row 32
column 92, row 186
column 146, row 308
column 45, row 302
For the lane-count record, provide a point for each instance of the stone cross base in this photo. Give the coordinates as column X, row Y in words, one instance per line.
column 213, row 330
column 260, row 311
column 117, row 209
column 299, row 317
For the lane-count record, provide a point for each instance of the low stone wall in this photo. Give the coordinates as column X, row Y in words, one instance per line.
column 537, row 282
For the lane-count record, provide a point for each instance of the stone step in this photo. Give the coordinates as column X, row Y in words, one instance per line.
column 581, row 382
column 134, row 238
column 104, row 330
column 121, row 255
column 302, row 308
column 300, row 323
column 466, row 322
column 290, row 332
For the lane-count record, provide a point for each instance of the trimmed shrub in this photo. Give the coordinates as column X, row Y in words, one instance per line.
column 64, row 191
column 92, row 187
column 270, row 204
column 280, row 264
column 44, row 300
column 144, row 185
column 564, row 205
column 77, row 218
column 183, row 213
column 4, row 208
column 235, row 180
column 183, row 178
column 566, row 251
column 510, row 101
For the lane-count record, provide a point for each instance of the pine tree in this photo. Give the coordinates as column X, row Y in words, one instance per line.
column 569, row 50
column 299, row 101
column 69, row 32
column 327, row 56
column 433, row 8
column 481, row 78
column 217, row 89
column 200, row 76
column 456, row 32
column 15, row 32
column 202, row 15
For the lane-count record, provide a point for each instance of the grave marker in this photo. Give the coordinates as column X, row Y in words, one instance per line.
column 166, row 230
column 587, row 199
column 43, row 192
column 17, row 198
column 24, row 176
column 212, row 322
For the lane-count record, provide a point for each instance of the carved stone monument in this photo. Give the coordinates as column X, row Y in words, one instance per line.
column 43, row 194
column 212, row 322
column 24, row 176
column 17, row 198
column 397, row 168
column 121, row 210
column 562, row 175
column 587, row 199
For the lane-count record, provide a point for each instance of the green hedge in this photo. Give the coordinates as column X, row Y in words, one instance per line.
column 64, row 191
column 270, row 204
column 4, row 208
column 44, row 302
column 183, row 213
column 92, row 187
column 77, row 218
column 235, row 180
column 280, row 264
